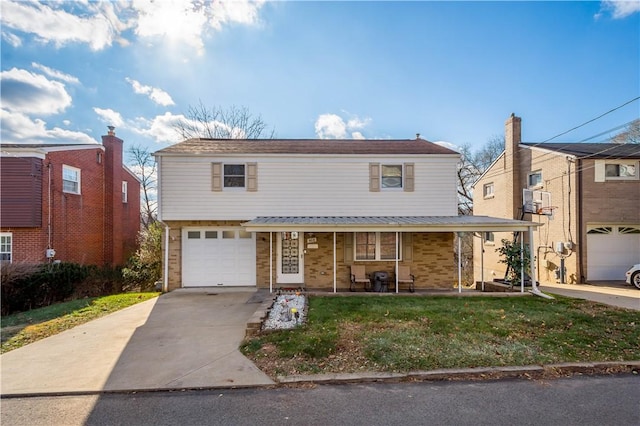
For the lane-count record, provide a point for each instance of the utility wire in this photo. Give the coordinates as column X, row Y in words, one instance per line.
column 593, row 119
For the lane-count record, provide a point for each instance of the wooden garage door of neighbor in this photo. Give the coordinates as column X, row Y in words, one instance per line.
column 215, row 257
column 611, row 250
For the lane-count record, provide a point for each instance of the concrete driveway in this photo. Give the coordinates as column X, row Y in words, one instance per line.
column 613, row 293
column 183, row 339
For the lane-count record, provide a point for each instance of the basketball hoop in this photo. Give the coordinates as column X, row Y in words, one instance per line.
column 546, row 211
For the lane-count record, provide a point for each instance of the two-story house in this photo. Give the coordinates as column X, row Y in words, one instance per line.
column 288, row 213
column 588, row 199
column 68, row 202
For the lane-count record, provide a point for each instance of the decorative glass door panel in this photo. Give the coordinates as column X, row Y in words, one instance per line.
column 290, row 258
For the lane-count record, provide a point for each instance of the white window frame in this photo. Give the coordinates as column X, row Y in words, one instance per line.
column 537, row 185
column 377, row 248
column 619, row 163
column 489, row 238
column 78, row 182
column 125, row 191
column 382, row 178
column 3, row 247
column 488, row 190
column 244, row 177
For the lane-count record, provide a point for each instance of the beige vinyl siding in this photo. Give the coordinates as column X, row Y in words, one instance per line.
column 304, row 187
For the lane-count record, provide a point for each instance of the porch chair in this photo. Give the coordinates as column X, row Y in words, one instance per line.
column 405, row 276
column 359, row 276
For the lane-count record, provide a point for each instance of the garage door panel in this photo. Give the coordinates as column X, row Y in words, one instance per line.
column 609, row 255
column 222, row 259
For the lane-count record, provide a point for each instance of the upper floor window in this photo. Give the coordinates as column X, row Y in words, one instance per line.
column 233, row 176
column 5, row 246
column 621, row 170
column 376, row 246
column 124, row 191
column 391, row 176
column 70, row 179
column 535, row 179
column 487, row 190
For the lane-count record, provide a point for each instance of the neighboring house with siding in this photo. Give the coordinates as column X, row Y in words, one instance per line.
column 68, row 202
column 289, row 213
column 594, row 191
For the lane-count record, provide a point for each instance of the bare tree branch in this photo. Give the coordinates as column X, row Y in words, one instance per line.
column 219, row 123
column 144, row 167
column 630, row 135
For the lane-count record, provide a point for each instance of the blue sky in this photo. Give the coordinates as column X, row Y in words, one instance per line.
column 451, row 71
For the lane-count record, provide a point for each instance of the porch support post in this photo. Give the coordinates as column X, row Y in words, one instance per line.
column 459, row 263
column 270, row 262
column 335, row 263
column 482, row 257
column 397, row 261
column 521, row 262
column 534, row 284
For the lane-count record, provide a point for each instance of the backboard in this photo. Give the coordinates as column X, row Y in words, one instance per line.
column 536, row 202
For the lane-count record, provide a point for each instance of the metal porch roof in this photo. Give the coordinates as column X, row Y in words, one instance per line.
column 386, row 223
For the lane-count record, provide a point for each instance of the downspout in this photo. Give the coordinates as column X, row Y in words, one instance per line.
column 532, row 264
column 459, row 262
column 49, row 212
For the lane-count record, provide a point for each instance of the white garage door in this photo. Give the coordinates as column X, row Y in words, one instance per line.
column 213, row 257
column 611, row 250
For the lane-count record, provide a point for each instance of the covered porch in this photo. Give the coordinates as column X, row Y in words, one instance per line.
column 317, row 252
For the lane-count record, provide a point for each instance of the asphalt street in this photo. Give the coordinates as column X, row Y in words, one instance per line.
column 579, row 400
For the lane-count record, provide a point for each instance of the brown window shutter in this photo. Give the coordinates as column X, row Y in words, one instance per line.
column 252, row 177
column 216, row 176
column 374, row 177
column 408, row 177
column 348, row 248
column 407, row 247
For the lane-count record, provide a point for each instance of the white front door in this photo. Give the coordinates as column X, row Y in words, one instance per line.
column 290, row 268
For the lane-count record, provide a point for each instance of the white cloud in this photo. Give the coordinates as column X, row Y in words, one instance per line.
column 66, row 122
column 12, row 39
column 29, row 93
column 20, row 129
column 179, row 22
column 109, row 116
column 358, row 123
column 58, row 75
column 159, row 96
column 332, row 126
column 449, row 145
column 96, row 24
column 619, row 9
column 100, row 24
column 161, row 128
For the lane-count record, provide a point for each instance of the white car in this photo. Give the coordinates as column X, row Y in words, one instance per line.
column 633, row 275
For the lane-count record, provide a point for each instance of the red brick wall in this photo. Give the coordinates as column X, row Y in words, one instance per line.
column 77, row 219
column 93, row 227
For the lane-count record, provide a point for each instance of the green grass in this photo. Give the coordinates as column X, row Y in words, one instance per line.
column 27, row 327
column 412, row 333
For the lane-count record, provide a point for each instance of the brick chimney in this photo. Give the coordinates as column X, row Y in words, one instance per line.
column 113, row 197
column 512, row 139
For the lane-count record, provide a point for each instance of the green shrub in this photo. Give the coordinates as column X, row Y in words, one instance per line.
column 145, row 267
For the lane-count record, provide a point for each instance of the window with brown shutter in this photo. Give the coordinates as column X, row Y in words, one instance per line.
column 374, row 177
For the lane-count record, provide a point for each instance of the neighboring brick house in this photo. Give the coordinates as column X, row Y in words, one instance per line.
column 288, row 213
column 73, row 203
column 594, row 191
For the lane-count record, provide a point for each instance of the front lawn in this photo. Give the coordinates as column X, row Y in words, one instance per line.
column 26, row 327
column 400, row 334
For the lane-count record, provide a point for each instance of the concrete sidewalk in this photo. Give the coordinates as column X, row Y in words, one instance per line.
column 183, row 339
column 613, row 294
